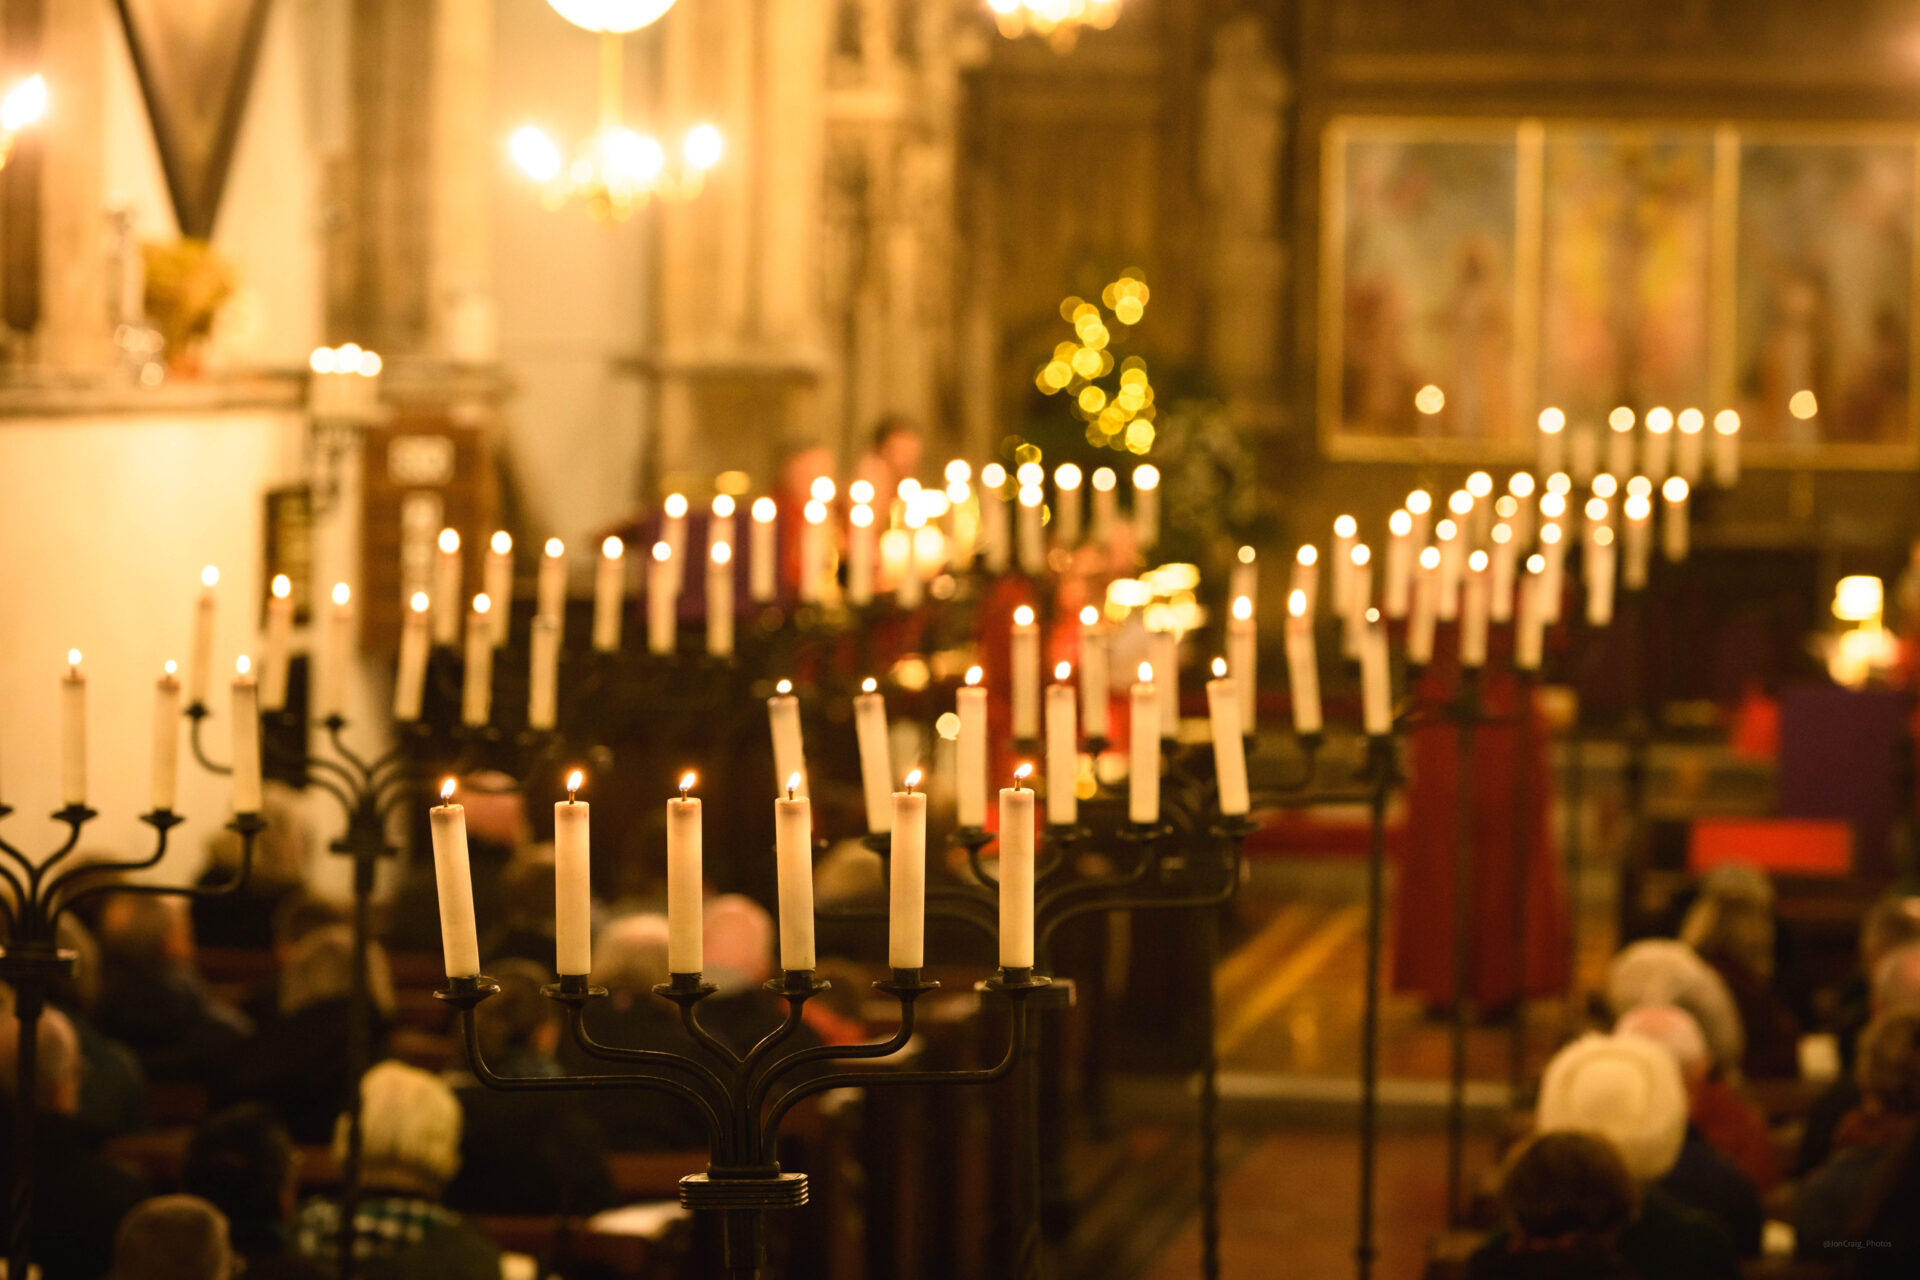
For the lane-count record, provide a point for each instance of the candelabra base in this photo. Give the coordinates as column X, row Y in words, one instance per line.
column 1236, row 826
column 777, row 1190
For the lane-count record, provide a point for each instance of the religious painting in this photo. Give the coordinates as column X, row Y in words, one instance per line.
column 1421, row 292
column 1626, row 269
column 1823, row 325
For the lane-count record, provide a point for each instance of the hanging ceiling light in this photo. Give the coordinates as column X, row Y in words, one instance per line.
column 615, row 17
column 1058, row 22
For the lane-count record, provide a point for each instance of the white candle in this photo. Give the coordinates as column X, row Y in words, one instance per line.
column 685, row 886
column 1419, row 507
column 720, row 600
column 1025, row 653
column 1143, row 750
column 73, row 733
column 1305, row 580
column 1229, row 746
column 1656, row 448
column 200, row 654
column 1397, row 591
column 572, row 882
column 1146, row 505
column 970, row 752
column 1359, row 600
column 1506, row 563
column 166, row 740
column 860, row 549
column 337, row 660
column 813, row 552
column 1474, row 610
column 1243, row 650
column 1063, row 751
column 1066, row 505
column 496, row 580
column 1376, row 684
column 1674, row 530
column 609, row 592
column 1016, row 873
column 763, row 562
column 1520, row 488
column 673, row 532
column 410, row 681
column 446, row 589
column 543, row 682
column 1452, row 560
column 1638, row 538
column 876, row 770
column 789, row 750
column 1244, row 577
column 1426, row 608
column 1345, row 532
column 1690, row 451
column 1620, row 443
column 1093, row 673
column 245, row 712
column 550, row 591
column 1553, row 576
column 1583, row 454
column 1303, row 668
column 663, row 600
column 279, row 644
column 1165, row 651
column 1597, row 511
column 459, row 939
column 476, row 690
column 1726, row 448
column 907, row 878
column 1553, row 441
column 793, row 863
column 1600, row 575
column 1476, row 513
column 1033, row 550
column 996, row 522
column 1529, row 631
column 1106, row 502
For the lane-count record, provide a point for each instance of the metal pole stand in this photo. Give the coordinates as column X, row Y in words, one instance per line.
column 1466, row 715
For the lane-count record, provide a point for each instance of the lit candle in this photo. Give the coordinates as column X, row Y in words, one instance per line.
column 1452, row 559
column 813, row 551
column 1376, row 686
column 1359, row 600
column 1656, row 449
column 1063, row 751
column 762, row 557
column 876, row 771
column 166, row 740
column 453, row 875
column 1596, row 521
column 1529, row 631
column 476, row 691
column 1033, row 552
column 1243, row 655
column 1229, row 744
column 970, row 751
column 1674, row 527
column 200, row 654
column 663, row 600
column 1143, row 750
column 1026, row 675
column 789, row 751
column 496, row 581
column 1583, row 453
column 550, row 592
column 1306, row 576
column 1419, row 506
column 543, row 683
column 1244, row 577
column 1106, row 502
column 1726, row 448
column 1426, row 608
column 1146, row 505
column 911, row 587
column 245, row 713
column 1519, row 514
column 1620, row 443
column 1505, row 567
column 1164, row 649
column 572, row 882
column 279, row 644
column 1688, row 454
column 338, row 658
column 410, row 680
column 1553, row 574
column 1638, row 531
column 1093, row 673
column 720, row 524
column 1345, row 531
column 1553, row 441
column 1477, row 514
column 1303, row 667
column 996, row 522
column 73, row 733
column 609, row 591
column 446, row 590
column 1397, row 592
column 860, row 549
column 720, row 600
column 1016, row 872
column 907, row 881
column 965, row 519
column 673, row 532
column 1066, row 505
column 685, row 887
column 1474, row 610
column 793, row 863
column 1600, row 575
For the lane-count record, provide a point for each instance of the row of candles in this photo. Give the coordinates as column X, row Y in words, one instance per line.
column 1660, row 445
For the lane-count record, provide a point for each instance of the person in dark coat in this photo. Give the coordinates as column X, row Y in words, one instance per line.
column 244, row 917
column 1564, row 1201
column 1888, row 1071
column 243, row 1163
column 152, row 998
column 113, row 1088
column 1896, row 985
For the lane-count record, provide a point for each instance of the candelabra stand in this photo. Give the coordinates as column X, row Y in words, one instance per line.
column 1466, row 714
column 1523, row 801
column 31, row 961
column 740, row 1096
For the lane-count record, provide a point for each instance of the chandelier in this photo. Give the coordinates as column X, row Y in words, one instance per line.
column 1058, row 22
column 616, row 170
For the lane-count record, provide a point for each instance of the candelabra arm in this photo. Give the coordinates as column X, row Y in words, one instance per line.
column 7, row 877
column 1310, row 744
column 907, row 988
column 162, row 821
column 687, row 991
column 797, row 991
column 247, row 825
column 76, row 817
column 577, row 1030
column 1051, row 916
column 975, row 842
column 196, row 715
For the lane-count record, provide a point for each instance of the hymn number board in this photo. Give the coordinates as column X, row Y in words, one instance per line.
column 424, row 473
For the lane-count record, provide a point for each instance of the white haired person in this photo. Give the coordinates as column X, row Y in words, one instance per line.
column 1628, row 1090
column 410, row 1149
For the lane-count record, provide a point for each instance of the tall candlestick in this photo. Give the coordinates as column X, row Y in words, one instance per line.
column 1726, row 448
column 970, row 752
column 476, row 690
column 453, row 876
column 446, row 590
column 1164, row 649
column 860, row 548
column 1229, row 744
column 1359, row 600
column 609, row 592
column 1063, row 751
column 1345, row 531
column 763, row 561
column 1620, row 443
column 73, row 733
column 1016, row 872
column 663, row 600
column 1529, row 629
column 907, row 879
column 1243, row 656
column 1146, row 505
column 166, row 740
column 793, row 863
column 1600, row 576
column 685, row 884
column 1674, row 530
column 550, row 591
column 1656, row 447
column 1143, row 750
column 1397, row 591
column 543, row 683
column 1452, row 559
column 720, row 600
column 1303, row 667
column 1474, row 610
column 1094, row 683
column 876, row 770
column 279, row 644
column 572, row 882
column 1376, row 688
column 996, row 522
column 244, row 709
column 496, row 580
column 337, row 660
column 410, row 680
column 1305, row 578
column 1066, row 505
column 1553, row 441
column 1690, row 450
column 200, row 653
column 1426, row 608
column 789, row 751
column 1505, row 564
column 1025, row 653
column 1106, row 502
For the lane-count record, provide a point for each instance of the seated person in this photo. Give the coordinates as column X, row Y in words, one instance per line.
column 1888, row 1072
column 297, row 1061
column 1890, row 923
column 1730, row 926
column 152, row 998
column 298, row 914
column 1628, row 1090
column 1564, row 1201
column 410, row 1148
column 244, row 917
column 527, row 911
column 1663, row 971
column 173, row 1238
column 244, row 1164
column 1896, row 985
column 1702, row 1176
column 524, row 1152
column 80, row 1197
column 113, row 1088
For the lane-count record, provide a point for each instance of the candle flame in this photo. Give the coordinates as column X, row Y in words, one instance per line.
column 1067, row 476
column 973, row 675
column 1308, row 555
column 1536, row 563
column 723, row 505
column 1243, row 607
column 1023, row 616
column 574, row 780
column 1660, row 420
column 1621, row 419
column 1596, row 508
column 1479, row 484
column 1446, row 531
column 1419, row 502
column 282, row 586
column 1552, row 420
column 1061, row 670
column 172, row 666
column 73, row 657
column 1460, row 502
column 209, row 576
column 1520, row 484
column 1674, row 490
column 1641, row 486
column 1553, row 505
column 784, row 687
column 1246, row 555
column 815, row 512
column 1605, row 485
column 1502, row 534
column 764, row 510
column 1105, row 478
column 1726, row 422
column 1031, row 496
column 1638, row 507
column 613, row 548
column 958, row 472
column 1146, row 476
column 793, row 784
column 1691, row 421
column 1220, row 668
column 912, row 780
column 449, row 541
column 861, row 516
column 1020, row 776
column 1477, row 562
column 676, row 505
column 1400, row 524
column 556, row 548
column 1146, row 673
column 662, row 552
column 419, row 603
column 869, row 685
column 1603, row 537
column 482, row 603
column 1550, row 533
column 1089, row 616
column 1029, row 474
column 448, row 787
column 342, row 593
column 861, row 491
column 1430, row 557
column 993, row 475
column 1297, row 603
column 1361, row 554
column 1373, row 616
column 1345, row 526
column 721, row 553
column 243, row 666
column 687, row 780
column 822, row 489
column 501, row 542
